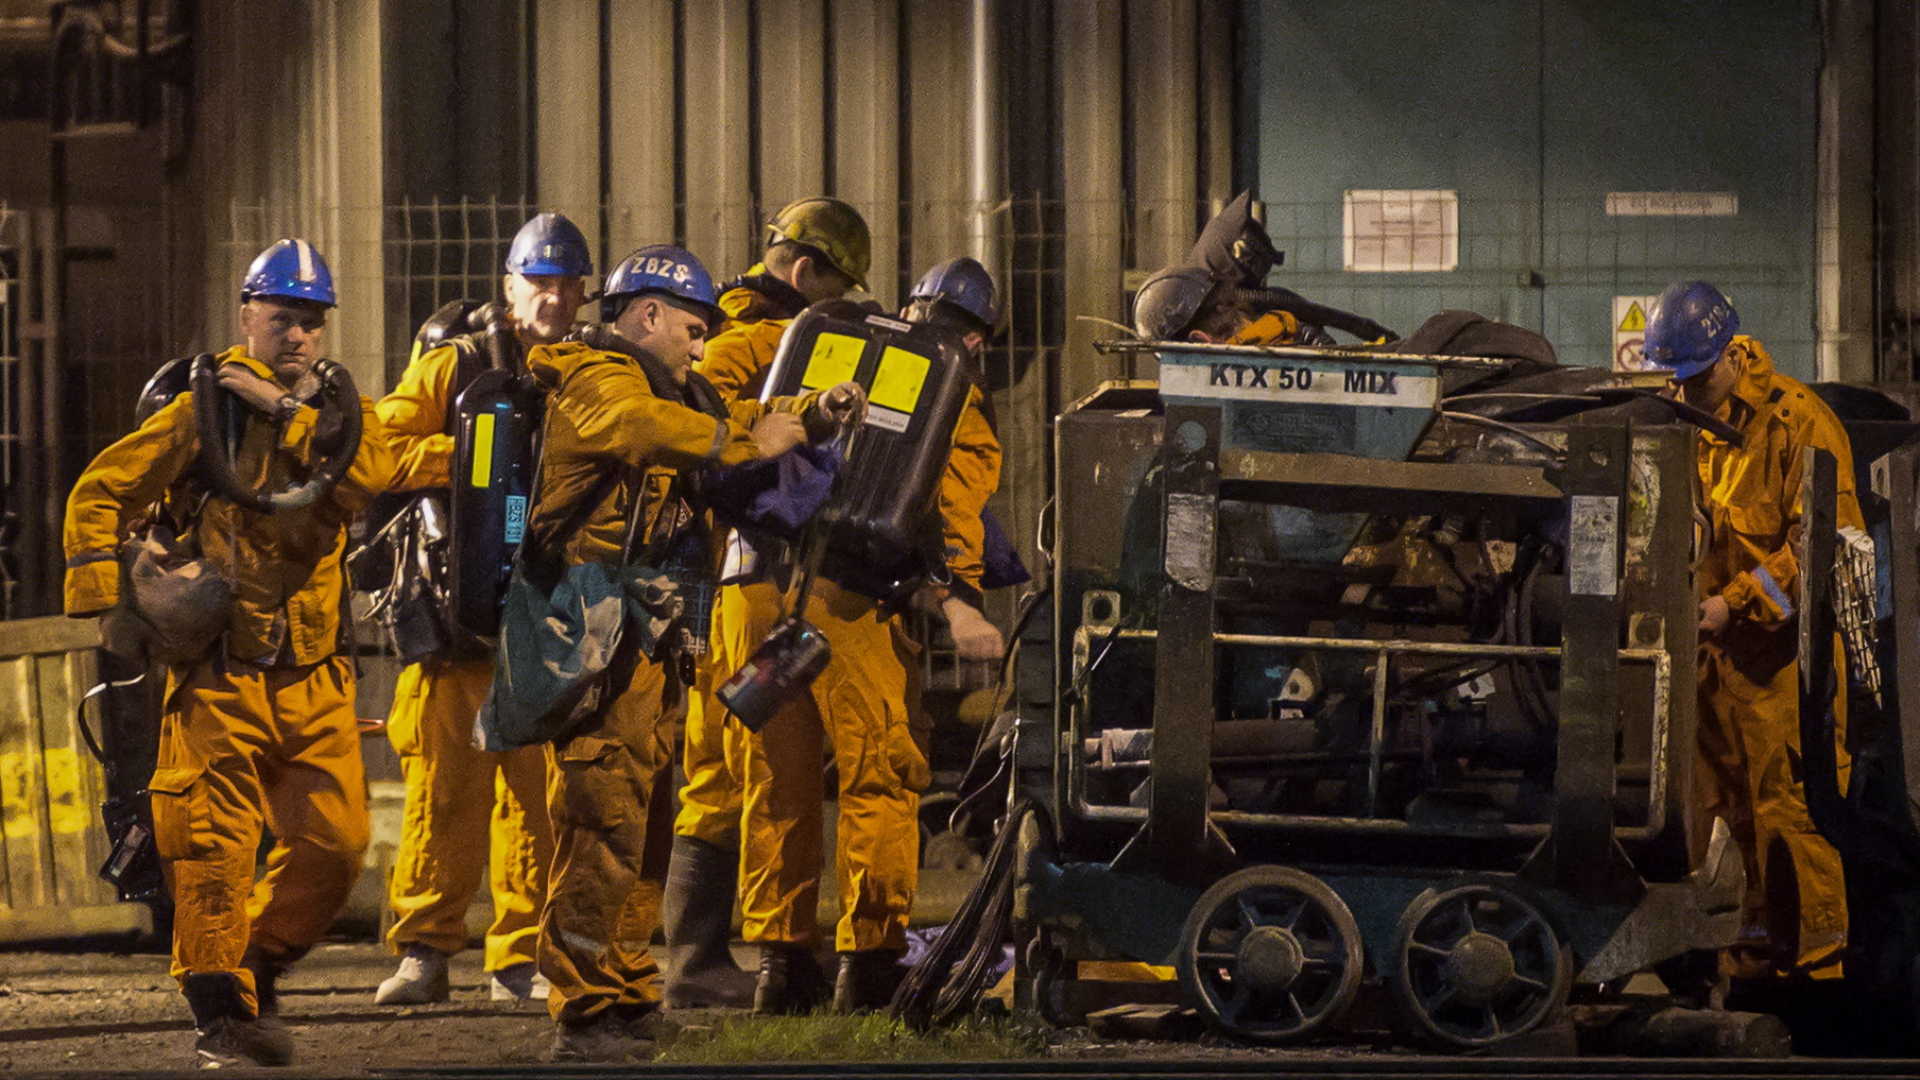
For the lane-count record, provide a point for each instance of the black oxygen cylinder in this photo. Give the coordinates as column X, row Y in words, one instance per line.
column 916, row 379
column 497, row 419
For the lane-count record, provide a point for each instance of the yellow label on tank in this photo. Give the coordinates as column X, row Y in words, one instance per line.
column 901, row 377
column 482, row 450
column 833, row 361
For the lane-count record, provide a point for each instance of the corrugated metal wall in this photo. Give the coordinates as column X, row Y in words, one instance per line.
column 1064, row 143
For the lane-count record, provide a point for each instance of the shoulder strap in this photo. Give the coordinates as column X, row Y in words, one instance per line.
column 468, row 363
column 702, row 396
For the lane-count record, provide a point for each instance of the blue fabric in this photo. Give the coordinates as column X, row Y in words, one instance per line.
column 1772, row 589
column 777, row 496
column 1000, row 560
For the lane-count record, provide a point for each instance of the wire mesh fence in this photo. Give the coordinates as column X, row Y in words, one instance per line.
column 1553, row 266
column 12, row 296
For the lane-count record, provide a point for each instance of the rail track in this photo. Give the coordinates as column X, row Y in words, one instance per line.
column 1301, row 1064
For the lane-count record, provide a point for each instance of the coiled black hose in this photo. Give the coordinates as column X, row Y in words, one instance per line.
column 337, row 393
column 947, row 982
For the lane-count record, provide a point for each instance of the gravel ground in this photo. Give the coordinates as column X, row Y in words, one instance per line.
column 85, row 1013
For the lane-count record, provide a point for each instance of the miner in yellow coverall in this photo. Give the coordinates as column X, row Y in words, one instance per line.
column 1795, row 911
column 467, row 808
column 261, row 733
column 862, row 706
column 630, row 410
column 817, row 249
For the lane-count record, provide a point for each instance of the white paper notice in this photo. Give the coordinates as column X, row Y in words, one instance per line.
column 1403, row 231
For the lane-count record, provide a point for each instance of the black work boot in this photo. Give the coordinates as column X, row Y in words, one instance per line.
column 266, row 976
column 229, row 1036
column 697, row 917
column 791, row 981
column 866, row 980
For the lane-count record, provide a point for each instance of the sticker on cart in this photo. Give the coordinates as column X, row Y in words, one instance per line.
column 1593, row 546
column 896, row 388
column 1359, row 384
column 834, row 359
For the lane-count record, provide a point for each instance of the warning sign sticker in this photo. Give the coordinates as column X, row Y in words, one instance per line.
column 1630, row 331
column 833, row 361
column 896, row 388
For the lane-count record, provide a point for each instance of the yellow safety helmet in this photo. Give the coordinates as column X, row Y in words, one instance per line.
column 832, row 227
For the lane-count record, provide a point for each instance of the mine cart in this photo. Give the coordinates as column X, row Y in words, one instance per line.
column 1348, row 681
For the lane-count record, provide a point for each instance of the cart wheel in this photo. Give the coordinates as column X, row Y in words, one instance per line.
column 1475, row 963
column 1271, row 954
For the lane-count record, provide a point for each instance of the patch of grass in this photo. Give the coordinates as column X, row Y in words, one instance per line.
column 868, row 1037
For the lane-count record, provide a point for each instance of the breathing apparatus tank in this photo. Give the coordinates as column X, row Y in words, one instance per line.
column 917, row 379
column 437, row 559
column 496, row 422
column 872, row 533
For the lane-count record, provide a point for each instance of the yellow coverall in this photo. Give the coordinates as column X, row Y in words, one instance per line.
column 466, row 808
column 864, row 704
column 604, row 887
column 263, row 732
column 735, row 362
column 753, row 298
column 1749, row 764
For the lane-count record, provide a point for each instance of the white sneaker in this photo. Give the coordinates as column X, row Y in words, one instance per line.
column 420, row 980
column 519, row 982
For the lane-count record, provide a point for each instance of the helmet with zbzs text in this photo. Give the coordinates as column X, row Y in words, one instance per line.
column 671, row 271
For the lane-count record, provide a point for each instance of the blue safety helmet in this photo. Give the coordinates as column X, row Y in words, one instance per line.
column 291, row 270
column 549, row 246
column 1689, row 328
column 965, row 284
column 666, row 269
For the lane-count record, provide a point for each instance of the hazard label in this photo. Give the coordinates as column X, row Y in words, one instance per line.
column 1635, row 319
column 1630, row 331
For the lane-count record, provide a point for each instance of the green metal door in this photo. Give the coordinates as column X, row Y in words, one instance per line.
column 1534, row 112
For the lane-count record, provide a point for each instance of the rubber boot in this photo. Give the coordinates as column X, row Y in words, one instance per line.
column 607, row 1038
column 421, row 979
column 790, row 982
column 697, row 917
column 266, row 978
column 228, row 1035
column 866, row 980
column 517, row 983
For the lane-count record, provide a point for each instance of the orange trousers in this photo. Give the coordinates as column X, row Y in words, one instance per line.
column 609, row 799
column 859, row 706
column 1749, row 773
column 466, row 809
column 242, row 748
column 711, row 798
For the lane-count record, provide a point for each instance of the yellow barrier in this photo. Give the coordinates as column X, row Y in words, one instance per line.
column 51, row 840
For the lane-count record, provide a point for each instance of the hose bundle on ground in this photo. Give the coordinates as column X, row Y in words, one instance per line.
column 948, row 981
